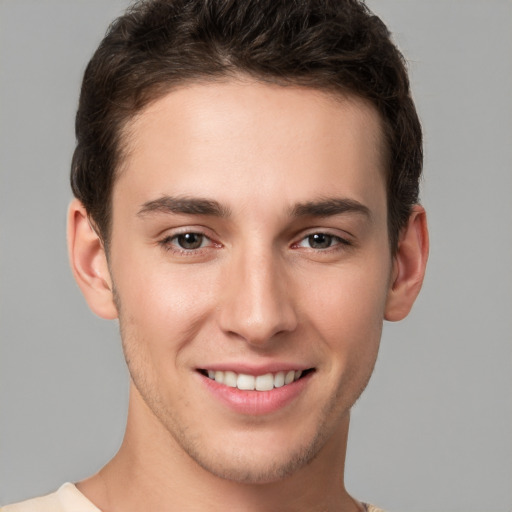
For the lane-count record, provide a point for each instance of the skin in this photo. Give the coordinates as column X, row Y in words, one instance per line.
column 257, row 291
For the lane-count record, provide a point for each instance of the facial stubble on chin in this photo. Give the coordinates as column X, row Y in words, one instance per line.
column 239, row 470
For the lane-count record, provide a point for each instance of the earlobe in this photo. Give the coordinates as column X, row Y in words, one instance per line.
column 408, row 266
column 89, row 262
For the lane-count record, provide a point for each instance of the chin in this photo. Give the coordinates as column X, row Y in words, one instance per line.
column 253, row 473
column 248, row 466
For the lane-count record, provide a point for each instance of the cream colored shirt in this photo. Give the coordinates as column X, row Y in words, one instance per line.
column 69, row 499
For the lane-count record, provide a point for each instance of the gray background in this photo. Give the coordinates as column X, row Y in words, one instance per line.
column 433, row 432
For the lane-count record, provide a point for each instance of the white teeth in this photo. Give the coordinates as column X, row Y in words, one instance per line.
column 279, row 380
column 265, row 382
column 230, row 379
column 290, row 376
column 246, row 382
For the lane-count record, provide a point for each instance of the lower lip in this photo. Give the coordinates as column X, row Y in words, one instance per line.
column 256, row 402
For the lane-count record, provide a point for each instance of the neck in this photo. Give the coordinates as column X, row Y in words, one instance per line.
column 152, row 472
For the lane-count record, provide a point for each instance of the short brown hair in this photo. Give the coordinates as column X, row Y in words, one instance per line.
column 336, row 45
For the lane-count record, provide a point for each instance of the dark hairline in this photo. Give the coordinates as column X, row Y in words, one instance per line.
column 131, row 69
column 126, row 135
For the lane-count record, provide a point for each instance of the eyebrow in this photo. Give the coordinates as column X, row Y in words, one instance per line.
column 200, row 206
column 330, row 207
column 184, row 205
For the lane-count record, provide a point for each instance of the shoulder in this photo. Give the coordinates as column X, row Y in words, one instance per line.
column 372, row 508
column 67, row 499
column 42, row 504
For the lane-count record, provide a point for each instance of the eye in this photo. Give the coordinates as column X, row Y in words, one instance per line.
column 186, row 241
column 322, row 241
column 190, row 240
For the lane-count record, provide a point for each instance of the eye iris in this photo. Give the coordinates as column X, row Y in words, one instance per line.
column 320, row 241
column 190, row 240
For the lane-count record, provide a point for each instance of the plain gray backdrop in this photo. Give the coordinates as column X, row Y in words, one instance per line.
column 433, row 431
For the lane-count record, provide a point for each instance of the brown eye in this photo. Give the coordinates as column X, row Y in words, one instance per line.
column 190, row 241
column 320, row 241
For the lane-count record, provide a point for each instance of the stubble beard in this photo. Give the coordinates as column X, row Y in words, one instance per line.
column 235, row 467
column 224, row 462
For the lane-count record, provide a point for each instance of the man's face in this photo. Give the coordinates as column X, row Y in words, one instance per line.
column 249, row 242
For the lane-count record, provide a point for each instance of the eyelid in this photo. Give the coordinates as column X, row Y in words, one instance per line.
column 199, row 229
column 173, row 238
column 167, row 239
column 338, row 244
column 344, row 238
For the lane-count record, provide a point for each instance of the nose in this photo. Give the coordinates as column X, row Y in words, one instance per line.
column 257, row 305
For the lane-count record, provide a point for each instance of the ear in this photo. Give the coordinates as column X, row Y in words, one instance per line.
column 89, row 262
column 409, row 265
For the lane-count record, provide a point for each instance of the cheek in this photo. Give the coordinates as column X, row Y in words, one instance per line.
column 346, row 308
column 163, row 306
column 357, row 293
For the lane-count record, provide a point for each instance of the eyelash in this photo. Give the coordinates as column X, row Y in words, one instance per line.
column 170, row 243
column 340, row 243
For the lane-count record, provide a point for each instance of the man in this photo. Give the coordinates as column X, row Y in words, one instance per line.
column 246, row 204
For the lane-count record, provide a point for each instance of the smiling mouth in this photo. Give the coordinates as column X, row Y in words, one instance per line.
column 246, row 382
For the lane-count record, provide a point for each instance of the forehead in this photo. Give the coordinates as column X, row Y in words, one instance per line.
column 246, row 140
